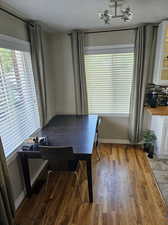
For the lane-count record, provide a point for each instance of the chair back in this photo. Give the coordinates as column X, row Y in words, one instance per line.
column 54, row 153
column 98, row 124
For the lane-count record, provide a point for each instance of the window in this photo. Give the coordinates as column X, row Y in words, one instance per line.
column 109, row 73
column 19, row 116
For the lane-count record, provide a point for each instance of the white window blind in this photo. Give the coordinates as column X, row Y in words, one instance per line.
column 109, row 78
column 19, row 116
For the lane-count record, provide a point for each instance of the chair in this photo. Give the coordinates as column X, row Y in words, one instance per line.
column 97, row 137
column 53, row 154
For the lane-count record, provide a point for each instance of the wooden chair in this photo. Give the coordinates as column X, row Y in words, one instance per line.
column 54, row 154
column 97, row 137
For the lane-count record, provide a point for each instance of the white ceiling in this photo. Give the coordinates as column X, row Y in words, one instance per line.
column 83, row 14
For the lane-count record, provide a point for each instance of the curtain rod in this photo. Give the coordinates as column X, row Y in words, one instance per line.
column 14, row 15
column 117, row 29
column 103, row 31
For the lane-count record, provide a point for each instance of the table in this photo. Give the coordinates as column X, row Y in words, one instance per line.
column 77, row 131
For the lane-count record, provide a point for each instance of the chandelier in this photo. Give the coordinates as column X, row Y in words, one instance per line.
column 107, row 16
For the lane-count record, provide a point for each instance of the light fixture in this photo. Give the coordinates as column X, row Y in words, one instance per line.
column 107, row 16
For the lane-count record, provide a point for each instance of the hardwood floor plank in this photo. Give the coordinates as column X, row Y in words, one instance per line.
column 125, row 193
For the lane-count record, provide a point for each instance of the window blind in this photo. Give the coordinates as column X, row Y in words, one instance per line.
column 19, row 116
column 109, row 78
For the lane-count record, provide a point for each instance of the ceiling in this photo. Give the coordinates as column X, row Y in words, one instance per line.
column 65, row 15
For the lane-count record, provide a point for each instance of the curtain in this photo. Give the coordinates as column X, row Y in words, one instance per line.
column 7, row 209
column 38, row 63
column 79, row 72
column 145, row 44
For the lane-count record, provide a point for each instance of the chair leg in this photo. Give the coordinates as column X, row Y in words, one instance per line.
column 47, row 182
column 77, row 179
column 97, row 151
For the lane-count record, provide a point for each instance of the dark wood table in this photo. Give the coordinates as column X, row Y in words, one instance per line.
column 66, row 130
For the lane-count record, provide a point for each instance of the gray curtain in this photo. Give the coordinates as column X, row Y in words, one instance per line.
column 145, row 44
column 79, row 72
column 7, row 209
column 38, row 62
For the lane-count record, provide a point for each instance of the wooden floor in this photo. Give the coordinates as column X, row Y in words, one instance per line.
column 125, row 193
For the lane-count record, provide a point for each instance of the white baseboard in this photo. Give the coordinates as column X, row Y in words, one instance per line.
column 114, row 141
column 160, row 156
column 22, row 195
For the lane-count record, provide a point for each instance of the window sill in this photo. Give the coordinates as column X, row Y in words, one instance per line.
column 13, row 155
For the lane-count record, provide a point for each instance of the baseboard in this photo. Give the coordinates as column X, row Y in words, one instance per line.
column 160, row 156
column 114, row 141
column 22, row 195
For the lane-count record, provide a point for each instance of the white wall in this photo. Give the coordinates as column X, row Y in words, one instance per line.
column 60, row 63
column 50, row 79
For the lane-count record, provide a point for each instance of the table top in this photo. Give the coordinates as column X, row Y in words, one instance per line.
column 158, row 111
column 77, row 131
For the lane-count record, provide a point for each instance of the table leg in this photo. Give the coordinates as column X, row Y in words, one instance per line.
column 26, row 174
column 89, row 177
column 72, row 164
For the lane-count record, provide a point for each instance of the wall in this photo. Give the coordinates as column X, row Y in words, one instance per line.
column 60, row 63
column 50, row 79
column 15, row 28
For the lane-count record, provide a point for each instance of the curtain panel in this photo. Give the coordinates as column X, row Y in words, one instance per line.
column 77, row 40
column 38, row 63
column 145, row 45
column 7, row 209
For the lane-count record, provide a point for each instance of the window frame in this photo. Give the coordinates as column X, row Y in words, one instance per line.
column 110, row 49
column 13, row 43
column 91, row 50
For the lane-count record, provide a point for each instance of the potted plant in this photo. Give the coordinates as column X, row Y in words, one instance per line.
column 149, row 140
